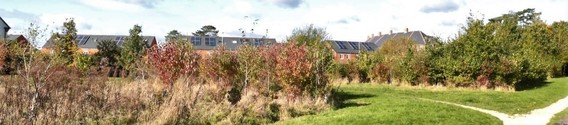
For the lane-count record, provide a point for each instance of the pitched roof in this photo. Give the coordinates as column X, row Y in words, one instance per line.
column 230, row 43
column 351, row 46
column 4, row 22
column 12, row 37
column 417, row 36
column 91, row 41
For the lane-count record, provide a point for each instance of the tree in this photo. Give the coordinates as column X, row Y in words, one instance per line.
column 560, row 36
column 133, row 49
column 65, row 44
column 314, row 38
column 207, row 30
column 109, row 51
column 173, row 35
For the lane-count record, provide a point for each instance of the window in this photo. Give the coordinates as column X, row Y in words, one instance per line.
column 354, row 45
column 119, row 40
column 340, row 56
column 81, row 40
column 347, row 55
column 196, row 41
column 210, row 41
column 366, row 45
column 51, row 52
column 340, row 44
column 85, row 52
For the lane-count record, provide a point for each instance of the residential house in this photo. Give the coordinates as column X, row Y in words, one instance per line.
column 88, row 43
column 4, row 28
column 205, row 45
column 418, row 36
column 345, row 51
column 13, row 38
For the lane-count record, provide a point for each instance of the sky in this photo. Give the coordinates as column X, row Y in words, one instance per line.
column 349, row 20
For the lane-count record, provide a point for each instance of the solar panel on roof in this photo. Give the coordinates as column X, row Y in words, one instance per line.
column 354, row 45
column 367, row 46
column 341, row 45
column 81, row 40
column 119, row 40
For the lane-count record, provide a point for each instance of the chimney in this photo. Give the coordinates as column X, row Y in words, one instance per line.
column 391, row 32
column 372, row 35
column 380, row 33
column 406, row 29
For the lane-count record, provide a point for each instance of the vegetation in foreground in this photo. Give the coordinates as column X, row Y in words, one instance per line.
column 510, row 52
column 380, row 104
column 385, row 104
column 166, row 84
column 171, row 84
column 519, row 102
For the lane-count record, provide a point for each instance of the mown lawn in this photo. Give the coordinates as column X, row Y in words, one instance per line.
column 520, row 102
column 383, row 104
column 371, row 104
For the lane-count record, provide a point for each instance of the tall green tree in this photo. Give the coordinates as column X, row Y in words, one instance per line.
column 207, row 30
column 560, row 36
column 133, row 49
column 173, row 35
column 65, row 44
column 109, row 51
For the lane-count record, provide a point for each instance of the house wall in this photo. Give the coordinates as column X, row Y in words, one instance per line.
column 346, row 57
column 88, row 51
column 204, row 53
column 3, row 31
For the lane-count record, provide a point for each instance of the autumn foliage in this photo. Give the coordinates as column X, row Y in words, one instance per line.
column 173, row 60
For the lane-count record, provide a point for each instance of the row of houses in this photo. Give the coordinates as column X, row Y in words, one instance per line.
column 343, row 51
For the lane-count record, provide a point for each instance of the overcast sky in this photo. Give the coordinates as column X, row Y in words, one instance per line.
column 351, row 20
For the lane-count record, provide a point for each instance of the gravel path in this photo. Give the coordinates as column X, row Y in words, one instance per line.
column 535, row 117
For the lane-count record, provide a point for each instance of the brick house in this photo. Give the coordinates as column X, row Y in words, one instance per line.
column 88, row 43
column 345, row 51
column 418, row 36
column 205, row 45
column 12, row 38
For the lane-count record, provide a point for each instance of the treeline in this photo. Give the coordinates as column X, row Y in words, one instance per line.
column 515, row 50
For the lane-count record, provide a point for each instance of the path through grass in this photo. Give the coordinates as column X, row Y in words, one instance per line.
column 383, row 104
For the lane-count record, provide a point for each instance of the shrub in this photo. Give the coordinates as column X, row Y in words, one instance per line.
column 221, row 68
column 173, row 60
column 293, row 68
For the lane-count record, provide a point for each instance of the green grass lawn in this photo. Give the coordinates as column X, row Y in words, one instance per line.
column 558, row 116
column 383, row 104
column 520, row 102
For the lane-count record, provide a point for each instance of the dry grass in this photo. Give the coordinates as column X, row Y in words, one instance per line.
column 125, row 101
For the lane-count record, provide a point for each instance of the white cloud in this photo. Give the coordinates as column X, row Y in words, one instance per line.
column 113, row 5
column 343, row 20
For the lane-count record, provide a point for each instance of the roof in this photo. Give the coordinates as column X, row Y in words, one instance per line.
column 417, row 36
column 351, row 46
column 4, row 22
column 91, row 41
column 12, row 37
column 230, row 43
